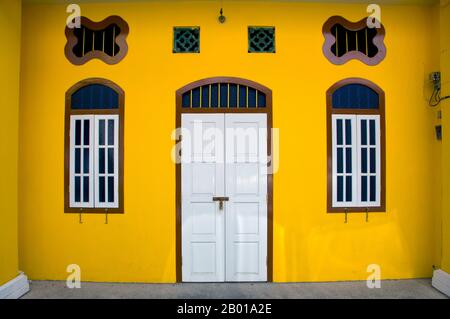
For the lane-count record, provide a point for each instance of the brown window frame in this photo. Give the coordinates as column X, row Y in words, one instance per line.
column 330, row 39
column 120, row 40
column 120, row 111
column 381, row 112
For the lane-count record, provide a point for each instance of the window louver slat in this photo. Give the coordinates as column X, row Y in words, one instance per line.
column 223, row 95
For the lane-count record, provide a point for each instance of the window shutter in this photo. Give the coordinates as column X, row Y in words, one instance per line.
column 106, row 161
column 344, row 148
column 369, row 159
column 81, row 161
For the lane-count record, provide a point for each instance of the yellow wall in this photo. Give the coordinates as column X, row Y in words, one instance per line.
column 10, row 25
column 445, row 69
column 309, row 244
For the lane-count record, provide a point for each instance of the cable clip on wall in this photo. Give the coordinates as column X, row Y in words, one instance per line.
column 435, row 99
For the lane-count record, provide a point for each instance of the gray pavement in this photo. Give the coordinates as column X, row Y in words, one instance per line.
column 391, row 289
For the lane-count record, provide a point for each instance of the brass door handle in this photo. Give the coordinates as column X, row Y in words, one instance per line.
column 220, row 200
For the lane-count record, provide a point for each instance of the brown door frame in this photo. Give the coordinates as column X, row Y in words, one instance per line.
column 267, row 110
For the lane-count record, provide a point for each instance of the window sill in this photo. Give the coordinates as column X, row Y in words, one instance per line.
column 362, row 210
column 77, row 210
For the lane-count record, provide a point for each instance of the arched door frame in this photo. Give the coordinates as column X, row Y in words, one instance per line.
column 267, row 110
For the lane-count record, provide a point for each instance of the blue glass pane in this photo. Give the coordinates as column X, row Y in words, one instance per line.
column 364, row 188
column 110, row 132
column 372, row 132
column 373, row 188
column 214, row 95
column 101, row 160
column 196, row 97
column 340, row 188
column 363, row 132
column 348, row 132
column 364, row 160
column 242, row 96
column 101, row 132
column 101, row 189
column 95, row 96
column 348, row 188
column 110, row 160
column 233, row 95
column 186, row 99
column 86, row 132
column 340, row 160
column 355, row 96
column 223, row 95
column 77, row 101
column 372, row 160
column 339, row 132
column 78, row 132
column 205, row 96
column 110, row 189
column 86, row 161
column 86, row 189
column 348, row 160
column 77, row 189
column 77, row 161
column 251, row 97
column 261, row 99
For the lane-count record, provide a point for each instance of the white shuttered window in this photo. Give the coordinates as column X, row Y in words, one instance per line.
column 94, row 161
column 356, row 160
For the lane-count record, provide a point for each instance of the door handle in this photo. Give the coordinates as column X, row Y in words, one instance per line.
column 220, row 200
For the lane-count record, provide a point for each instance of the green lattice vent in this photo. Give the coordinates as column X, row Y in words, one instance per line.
column 261, row 40
column 186, row 40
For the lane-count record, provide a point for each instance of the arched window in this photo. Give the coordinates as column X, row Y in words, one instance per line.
column 94, row 147
column 226, row 93
column 356, row 147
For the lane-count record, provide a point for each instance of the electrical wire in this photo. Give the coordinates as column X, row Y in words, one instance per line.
column 436, row 98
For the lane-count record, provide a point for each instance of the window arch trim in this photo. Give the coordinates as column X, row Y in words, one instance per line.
column 120, row 111
column 330, row 40
column 379, row 111
column 222, row 80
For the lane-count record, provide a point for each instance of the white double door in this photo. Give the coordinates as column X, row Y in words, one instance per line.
column 224, row 197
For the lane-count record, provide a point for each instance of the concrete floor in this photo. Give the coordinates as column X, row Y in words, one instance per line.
column 391, row 289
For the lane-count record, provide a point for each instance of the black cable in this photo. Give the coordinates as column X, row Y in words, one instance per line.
column 436, row 96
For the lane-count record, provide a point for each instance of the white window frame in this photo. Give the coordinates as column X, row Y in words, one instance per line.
column 377, row 173
column 115, row 203
column 356, row 161
column 93, row 162
column 72, row 173
column 354, row 201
